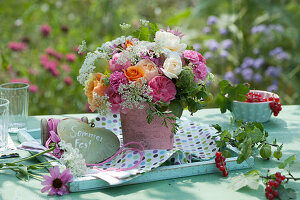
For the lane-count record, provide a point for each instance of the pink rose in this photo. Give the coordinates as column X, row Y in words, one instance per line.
column 162, row 89
column 114, row 99
column 193, row 56
column 200, row 72
column 115, row 66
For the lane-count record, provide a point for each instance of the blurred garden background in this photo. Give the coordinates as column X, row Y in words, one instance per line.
column 253, row 41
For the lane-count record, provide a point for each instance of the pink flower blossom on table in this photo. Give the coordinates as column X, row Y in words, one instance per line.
column 17, row 46
column 200, row 72
column 56, row 183
column 193, row 56
column 45, row 30
column 115, row 66
column 33, row 88
column 116, row 79
column 162, row 89
column 68, row 80
column 71, row 57
column 114, row 99
column 66, row 68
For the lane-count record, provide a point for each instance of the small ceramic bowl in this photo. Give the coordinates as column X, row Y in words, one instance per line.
column 250, row 112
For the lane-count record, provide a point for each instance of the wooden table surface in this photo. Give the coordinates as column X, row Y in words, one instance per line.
column 285, row 127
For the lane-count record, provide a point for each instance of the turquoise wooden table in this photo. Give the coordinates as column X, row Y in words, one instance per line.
column 285, row 127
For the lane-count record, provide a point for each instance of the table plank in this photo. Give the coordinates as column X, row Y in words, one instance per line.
column 285, row 127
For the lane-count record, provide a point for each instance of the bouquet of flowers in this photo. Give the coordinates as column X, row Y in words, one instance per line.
column 148, row 69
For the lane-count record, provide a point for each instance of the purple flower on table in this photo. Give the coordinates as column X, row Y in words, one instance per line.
column 200, row 72
column 212, row 20
column 247, row 74
column 223, row 31
column 230, row 76
column 197, row 46
column 206, row 30
column 258, row 63
column 247, row 62
column 226, row 44
column 273, row 71
column 212, row 44
column 116, row 79
column 257, row 78
column 57, row 152
column 56, row 183
column 224, row 54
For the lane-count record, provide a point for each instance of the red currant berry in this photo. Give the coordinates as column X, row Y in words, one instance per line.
column 223, row 158
column 278, row 174
column 217, row 160
column 275, row 193
column 271, row 183
column 270, row 196
column 276, row 184
column 225, row 173
column 222, row 168
column 218, row 165
column 282, row 178
column 269, row 188
column 278, row 180
column 218, row 154
column 224, row 163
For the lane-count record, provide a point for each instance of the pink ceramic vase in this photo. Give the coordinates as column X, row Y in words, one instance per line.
column 135, row 128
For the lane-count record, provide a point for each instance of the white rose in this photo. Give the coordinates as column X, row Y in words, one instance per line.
column 169, row 41
column 172, row 66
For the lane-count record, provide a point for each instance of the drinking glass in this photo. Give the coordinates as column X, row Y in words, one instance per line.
column 3, row 123
column 17, row 95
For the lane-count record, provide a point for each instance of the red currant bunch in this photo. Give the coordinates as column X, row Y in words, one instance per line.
column 255, row 97
column 221, row 164
column 275, row 107
column 272, row 185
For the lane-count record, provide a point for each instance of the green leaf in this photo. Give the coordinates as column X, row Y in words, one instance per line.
column 22, row 173
column 176, row 108
column 221, row 102
column 251, row 180
column 144, row 34
column 246, row 151
column 256, row 135
column 175, row 20
column 286, row 193
column 224, row 85
column 226, row 153
column 290, row 160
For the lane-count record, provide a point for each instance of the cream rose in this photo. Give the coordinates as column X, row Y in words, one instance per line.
column 172, row 66
column 150, row 68
column 169, row 41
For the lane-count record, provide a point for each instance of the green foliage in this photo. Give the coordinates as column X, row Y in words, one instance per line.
column 289, row 161
column 286, row 193
column 146, row 33
column 247, row 137
column 228, row 94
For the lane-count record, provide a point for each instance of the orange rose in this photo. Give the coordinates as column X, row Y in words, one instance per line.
column 95, row 85
column 134, row 73
column 150, row 68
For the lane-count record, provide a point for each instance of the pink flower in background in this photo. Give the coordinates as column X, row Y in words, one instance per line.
column 71, row 57
column 76, row 49
column 114, row 99
column 45, row 30
column 174, row 32
column 200, row 72
column 68, row 80
column 116, row 79
column 56, row 183
column 115, row 66
column 55, row 72
column 50, row 51
column 33, row 71
column 163, row 89
column 66, row 68
column 193, row 56
column 19, row 80
column 17, row 46
column 33, row 88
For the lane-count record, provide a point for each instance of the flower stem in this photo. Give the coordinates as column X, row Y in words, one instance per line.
column 33, row 156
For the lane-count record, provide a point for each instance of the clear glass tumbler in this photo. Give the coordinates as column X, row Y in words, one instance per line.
column 17, row 95
column 4, row 103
